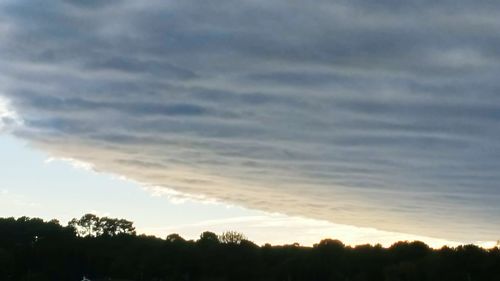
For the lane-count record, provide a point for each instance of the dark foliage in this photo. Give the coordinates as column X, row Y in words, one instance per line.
column 109, row 249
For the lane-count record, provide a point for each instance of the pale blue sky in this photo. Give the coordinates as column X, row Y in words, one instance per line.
column 33, row 186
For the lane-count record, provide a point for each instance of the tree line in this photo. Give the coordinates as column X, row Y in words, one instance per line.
column 109, row 249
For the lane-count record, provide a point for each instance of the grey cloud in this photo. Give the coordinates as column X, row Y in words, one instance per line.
column 138, row 67
column 378, row 114
column 92, row 3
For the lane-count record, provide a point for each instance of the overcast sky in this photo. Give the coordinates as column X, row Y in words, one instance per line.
column 381, row 114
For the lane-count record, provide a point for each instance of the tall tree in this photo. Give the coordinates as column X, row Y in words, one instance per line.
column 232, row 237
column 86, row 226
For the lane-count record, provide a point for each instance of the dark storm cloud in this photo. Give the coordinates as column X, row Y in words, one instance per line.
column 373, row 113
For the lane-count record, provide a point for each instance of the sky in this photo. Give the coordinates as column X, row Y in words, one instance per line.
column 377, row 115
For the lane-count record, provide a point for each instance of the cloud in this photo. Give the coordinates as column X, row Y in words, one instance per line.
column 72, row 162
column 8, row 117
column 382, row 115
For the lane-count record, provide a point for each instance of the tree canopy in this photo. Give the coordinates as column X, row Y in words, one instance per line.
column 90, row 225
column 109, row 249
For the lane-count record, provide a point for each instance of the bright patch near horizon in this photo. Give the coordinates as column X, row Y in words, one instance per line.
column 374, row 114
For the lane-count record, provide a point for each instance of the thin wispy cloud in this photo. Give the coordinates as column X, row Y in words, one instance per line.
column 377, row 114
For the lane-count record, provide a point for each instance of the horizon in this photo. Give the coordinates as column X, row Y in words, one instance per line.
column 79, row 231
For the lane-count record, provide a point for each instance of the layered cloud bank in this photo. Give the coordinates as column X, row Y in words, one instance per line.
column 377, row 114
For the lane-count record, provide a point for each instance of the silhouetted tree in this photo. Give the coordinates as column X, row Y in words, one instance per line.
column 232, row 237
column 104, row 249
column 111, row 227
column 208, row 238
column 91, row 225
column 87, row 225
column 174, row 237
